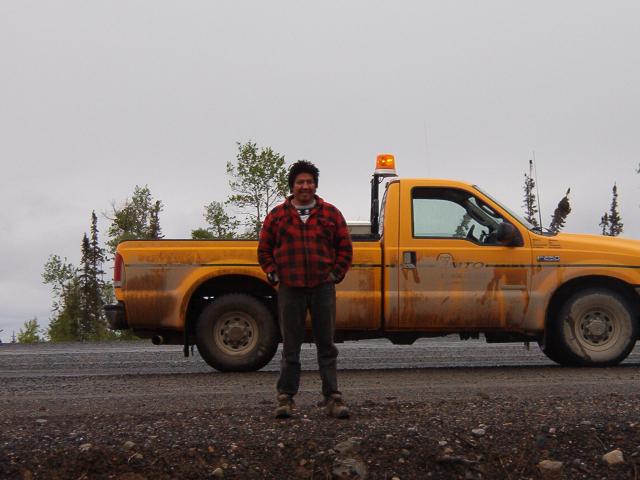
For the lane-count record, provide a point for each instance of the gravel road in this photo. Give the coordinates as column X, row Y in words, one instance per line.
column 440, row 408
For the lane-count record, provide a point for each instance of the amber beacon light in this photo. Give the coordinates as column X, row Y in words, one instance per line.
column 385, row 165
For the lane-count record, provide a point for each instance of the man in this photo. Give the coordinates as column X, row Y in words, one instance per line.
column 305, row 246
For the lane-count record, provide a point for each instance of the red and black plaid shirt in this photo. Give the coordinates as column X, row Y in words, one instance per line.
column 304, row 254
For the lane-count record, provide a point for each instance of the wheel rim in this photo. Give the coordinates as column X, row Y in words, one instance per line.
column 598, row 328
column 236, row 333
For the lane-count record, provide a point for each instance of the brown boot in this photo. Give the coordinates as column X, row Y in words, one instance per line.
column 336, row 407
column 285, row 405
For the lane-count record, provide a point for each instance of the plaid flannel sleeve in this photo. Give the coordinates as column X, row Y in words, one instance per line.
column 343, row 247
column 266, row 244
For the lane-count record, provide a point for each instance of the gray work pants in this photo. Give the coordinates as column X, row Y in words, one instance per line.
column 293, row 304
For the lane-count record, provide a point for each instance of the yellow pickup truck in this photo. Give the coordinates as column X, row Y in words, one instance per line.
column 440, row 257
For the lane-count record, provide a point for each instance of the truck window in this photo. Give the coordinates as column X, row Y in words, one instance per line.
column 453, row 213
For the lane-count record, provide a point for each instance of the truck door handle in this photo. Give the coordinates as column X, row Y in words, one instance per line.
column 409, row 260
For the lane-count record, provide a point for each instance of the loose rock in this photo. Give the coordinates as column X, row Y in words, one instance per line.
column 128, row 445
column 85, row 447
column 478, row 432
column 550, row 468
column 218, row 473
column 613, row 458
column 349, row 469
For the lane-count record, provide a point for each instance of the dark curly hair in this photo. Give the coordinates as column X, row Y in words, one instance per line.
column 302, row 166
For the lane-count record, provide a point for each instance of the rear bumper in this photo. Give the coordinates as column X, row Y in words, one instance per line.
column 116, row 316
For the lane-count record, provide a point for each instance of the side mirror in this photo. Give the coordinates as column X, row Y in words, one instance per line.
column 507, row 235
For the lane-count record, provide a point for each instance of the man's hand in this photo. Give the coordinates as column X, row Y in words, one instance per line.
column 273, row 278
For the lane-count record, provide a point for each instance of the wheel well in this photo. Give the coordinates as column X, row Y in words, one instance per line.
column 571, row 287
column 223, row 285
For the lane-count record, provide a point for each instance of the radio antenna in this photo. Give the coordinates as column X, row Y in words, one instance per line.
column 535, row 172
column 426, row 149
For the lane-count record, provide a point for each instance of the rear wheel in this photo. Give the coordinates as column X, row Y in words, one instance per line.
column 594, row 328
column 236, row 333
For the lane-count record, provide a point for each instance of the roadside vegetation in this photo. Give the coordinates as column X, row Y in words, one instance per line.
column 257, row 180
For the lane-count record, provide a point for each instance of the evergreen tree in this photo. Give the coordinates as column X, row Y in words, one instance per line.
column 219, row 224
column 93, row 325
column 604, row 223
column 86, row 280
column 79, row 293
column 137, row 219
column 615, row 220
column 530, row 207
column 258, row 182
column 30, row 332
column 560, row 214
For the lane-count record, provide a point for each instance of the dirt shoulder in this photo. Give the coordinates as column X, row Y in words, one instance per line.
column 473, row 438
column 65, row 413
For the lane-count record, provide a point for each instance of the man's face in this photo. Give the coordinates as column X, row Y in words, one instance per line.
column 304, row 188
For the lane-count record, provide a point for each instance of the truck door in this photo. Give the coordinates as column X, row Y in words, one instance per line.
column 453, row 274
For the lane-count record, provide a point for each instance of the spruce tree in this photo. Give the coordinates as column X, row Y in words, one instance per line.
column 87, row 318
column 98, row 254
column 604, row 223
column 560, row 214
column 93, row 320
column 530, row 207
column 615, row 220
column 79, row 293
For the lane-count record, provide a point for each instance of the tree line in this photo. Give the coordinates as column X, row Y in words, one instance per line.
column 258, row 181
column 610, row 222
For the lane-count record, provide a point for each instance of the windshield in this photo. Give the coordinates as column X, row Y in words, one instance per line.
column 519, row 218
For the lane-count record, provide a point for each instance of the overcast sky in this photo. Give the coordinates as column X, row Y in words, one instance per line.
column 96, row 97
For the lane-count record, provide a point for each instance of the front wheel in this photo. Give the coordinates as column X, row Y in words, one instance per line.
column 596, row 327
column 236, row 333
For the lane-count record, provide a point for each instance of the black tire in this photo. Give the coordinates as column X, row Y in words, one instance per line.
column 554, row 352
column 237, row 333
column 595, row 327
